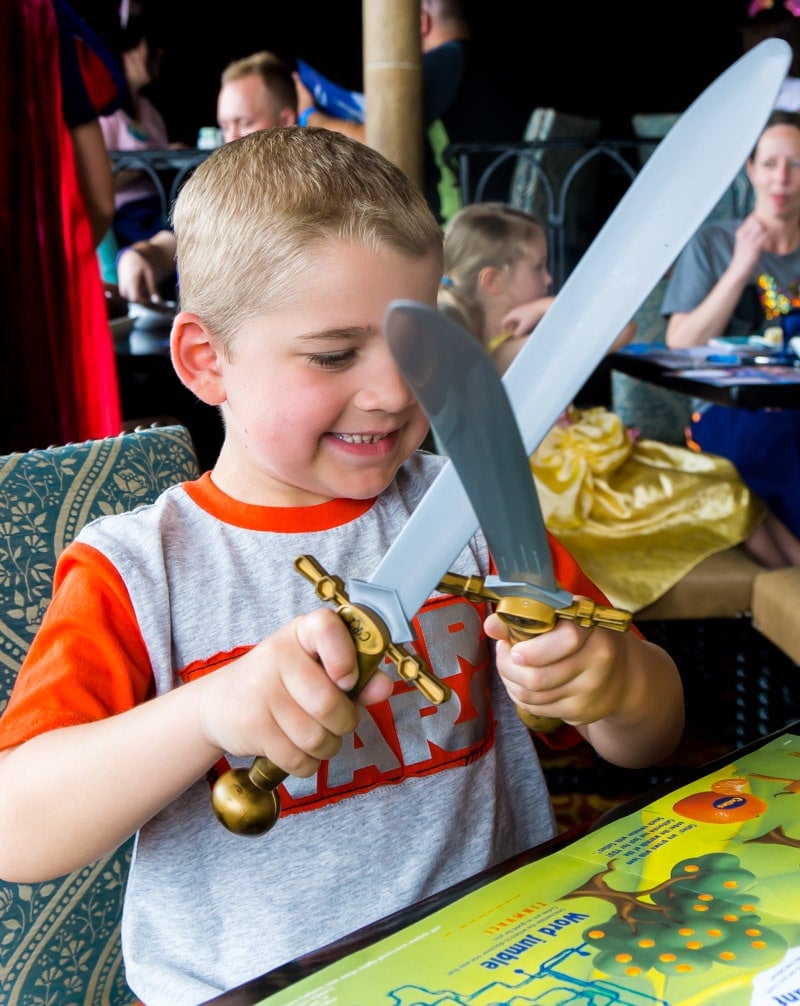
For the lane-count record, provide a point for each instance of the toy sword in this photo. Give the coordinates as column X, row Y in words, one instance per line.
column 456, row 383
column 670, row 197
column 676, row 189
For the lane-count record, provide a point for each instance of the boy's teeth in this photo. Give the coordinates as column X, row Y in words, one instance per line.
column 359, row 438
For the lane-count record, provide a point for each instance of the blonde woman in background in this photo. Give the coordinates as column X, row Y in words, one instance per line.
column 637, row 514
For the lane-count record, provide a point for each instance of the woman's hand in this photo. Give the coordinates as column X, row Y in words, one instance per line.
column 749, row 240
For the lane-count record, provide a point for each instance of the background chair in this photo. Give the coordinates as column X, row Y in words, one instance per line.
column 59, row 940
column 652, row 126
column 542, row 184
column 655, row 412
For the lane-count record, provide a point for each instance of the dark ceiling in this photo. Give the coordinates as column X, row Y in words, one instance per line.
column 605, row 60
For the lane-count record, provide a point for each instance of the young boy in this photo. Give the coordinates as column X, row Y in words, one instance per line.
column 181, row 634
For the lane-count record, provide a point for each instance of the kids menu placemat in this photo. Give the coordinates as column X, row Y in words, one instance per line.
column 694, row 899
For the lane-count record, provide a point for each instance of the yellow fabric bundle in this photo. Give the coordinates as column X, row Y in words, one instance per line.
column 637, row 516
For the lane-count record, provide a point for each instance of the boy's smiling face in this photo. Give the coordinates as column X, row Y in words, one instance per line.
column 314, row 405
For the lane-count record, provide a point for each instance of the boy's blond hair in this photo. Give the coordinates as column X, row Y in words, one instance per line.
column 251, row 216
column 480, row 235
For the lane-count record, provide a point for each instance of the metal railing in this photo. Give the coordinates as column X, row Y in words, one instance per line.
column 571, row 184
column 544, row 176
column 167, row 169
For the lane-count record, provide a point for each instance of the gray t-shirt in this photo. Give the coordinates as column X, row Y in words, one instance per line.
column 705, row 258
column 419, row 798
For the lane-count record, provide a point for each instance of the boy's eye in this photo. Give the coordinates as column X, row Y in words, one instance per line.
column 332, row 361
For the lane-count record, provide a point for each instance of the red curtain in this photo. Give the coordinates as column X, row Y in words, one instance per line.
column 58, row 379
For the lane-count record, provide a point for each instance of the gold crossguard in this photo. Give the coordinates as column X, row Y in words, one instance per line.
column 371, row 635
column 246, row 801
column 526, row 617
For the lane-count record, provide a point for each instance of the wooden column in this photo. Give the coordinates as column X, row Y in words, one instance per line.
column 393, row 82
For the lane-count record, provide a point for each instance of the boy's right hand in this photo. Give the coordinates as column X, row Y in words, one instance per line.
column 286, row 699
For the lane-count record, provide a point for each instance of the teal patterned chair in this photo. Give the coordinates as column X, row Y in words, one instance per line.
column 59, row 940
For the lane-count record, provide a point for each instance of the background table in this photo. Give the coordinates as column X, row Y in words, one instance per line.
column 710, row 377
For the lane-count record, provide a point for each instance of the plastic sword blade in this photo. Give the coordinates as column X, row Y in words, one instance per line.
column 675, row 190
column 466, row 402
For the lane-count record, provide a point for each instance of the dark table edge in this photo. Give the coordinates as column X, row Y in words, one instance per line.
column 747, row 396
column 286, row 975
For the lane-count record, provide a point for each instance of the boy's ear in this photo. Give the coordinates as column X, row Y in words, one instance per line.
column 197, row 358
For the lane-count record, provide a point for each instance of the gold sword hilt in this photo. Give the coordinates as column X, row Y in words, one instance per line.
column 527, row 617
column 246, row 801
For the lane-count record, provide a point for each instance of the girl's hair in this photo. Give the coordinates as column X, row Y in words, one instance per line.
column 481, row 235
column 778, row 117
column 251, row 217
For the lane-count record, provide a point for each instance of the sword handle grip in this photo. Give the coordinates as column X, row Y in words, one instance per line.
column 524, row 619
column 246, row 801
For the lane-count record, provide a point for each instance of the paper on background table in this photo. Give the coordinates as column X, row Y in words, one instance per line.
column 763, row 373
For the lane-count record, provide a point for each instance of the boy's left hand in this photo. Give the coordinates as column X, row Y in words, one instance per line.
column 570, row 673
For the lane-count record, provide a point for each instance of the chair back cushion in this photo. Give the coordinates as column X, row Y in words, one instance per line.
column 59, row 940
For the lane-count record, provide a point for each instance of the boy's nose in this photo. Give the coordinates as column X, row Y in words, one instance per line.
column 385, row 388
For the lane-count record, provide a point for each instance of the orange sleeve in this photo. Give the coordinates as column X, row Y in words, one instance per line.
column 88, row 659
column 570, row 575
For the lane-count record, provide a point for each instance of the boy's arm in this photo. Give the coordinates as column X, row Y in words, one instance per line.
column 309, row 115
column 647, row 718
column 77, row 791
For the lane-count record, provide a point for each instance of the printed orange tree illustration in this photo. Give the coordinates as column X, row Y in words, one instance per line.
column 700, row 916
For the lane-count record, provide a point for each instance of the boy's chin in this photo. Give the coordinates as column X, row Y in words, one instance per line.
column 367, row 486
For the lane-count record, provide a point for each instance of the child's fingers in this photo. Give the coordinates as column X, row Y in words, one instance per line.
column 378, row 688
column 324, row 636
